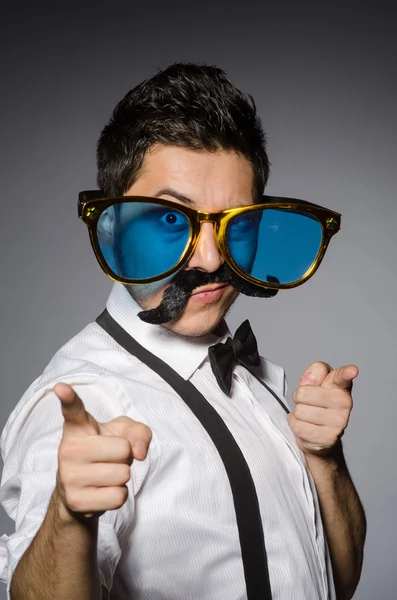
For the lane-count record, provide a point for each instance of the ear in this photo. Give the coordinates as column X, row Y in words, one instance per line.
column 106, row 227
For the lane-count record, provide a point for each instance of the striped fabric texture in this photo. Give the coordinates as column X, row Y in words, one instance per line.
column 176, row 536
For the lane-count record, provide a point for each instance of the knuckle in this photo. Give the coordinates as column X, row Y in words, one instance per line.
column 71, row 449
column 341, row 421
column 331, row 441
column 299, row 411
column 302, row 393
column 142, row 431
column 65, row 451
column 329, row 438
column 317, row 363
column 147, row 432
column 346, row 402
column 125, row 473
column 323, row 366
column 69, row 478
column 119, row 496
column 291, row 420
column 73, row 500
column 124, row 449
column 298, row 428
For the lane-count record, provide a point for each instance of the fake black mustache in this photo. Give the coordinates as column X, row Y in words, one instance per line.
column 177, row 294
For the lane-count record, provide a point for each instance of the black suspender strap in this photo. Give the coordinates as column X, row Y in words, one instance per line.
column 281, row 403
column 246, row 503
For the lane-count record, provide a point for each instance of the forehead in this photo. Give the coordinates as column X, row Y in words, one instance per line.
column 211, row 180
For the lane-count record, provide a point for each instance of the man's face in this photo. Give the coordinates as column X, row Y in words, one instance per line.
column 208, row 181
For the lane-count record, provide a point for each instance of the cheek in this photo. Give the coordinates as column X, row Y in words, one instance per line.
column 231, row 294
column 144, row 292
column 227, row 300
column 147, row 291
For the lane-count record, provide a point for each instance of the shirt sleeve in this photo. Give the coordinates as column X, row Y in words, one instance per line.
column 29, row 446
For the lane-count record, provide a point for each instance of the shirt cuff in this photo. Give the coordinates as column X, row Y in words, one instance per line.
column 11, row 550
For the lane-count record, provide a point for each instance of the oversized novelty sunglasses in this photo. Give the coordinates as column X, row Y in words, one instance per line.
column 278, row 243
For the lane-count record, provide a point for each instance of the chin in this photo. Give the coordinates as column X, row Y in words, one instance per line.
column 190, row 330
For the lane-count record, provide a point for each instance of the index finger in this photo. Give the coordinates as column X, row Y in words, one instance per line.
column 73, row 409
column 341, row 378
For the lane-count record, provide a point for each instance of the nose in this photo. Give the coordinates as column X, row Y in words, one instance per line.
column 206, row 256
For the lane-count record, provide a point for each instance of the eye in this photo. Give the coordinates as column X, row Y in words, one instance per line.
column 245, row 221
column 171, row 218
column 242, row 221
column 174, row 221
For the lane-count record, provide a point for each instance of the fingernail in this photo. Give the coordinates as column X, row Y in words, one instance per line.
column 309, row 377
column 139, row 449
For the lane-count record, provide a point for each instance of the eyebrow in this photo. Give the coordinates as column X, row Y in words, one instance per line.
column 176, row 195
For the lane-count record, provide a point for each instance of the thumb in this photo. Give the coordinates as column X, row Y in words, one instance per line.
column 341, row 378
column 315, row 374
column 74, row 411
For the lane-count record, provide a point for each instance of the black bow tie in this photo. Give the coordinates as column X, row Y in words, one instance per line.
column 242, row 348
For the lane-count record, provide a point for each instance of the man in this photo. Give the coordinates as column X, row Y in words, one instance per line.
column 151, row 460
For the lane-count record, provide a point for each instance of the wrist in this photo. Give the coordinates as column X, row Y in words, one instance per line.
column 333, row 459
column 64, row 517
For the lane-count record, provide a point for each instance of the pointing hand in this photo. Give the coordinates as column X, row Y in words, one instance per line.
column 94, row 458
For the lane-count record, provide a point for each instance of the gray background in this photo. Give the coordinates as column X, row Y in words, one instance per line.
column 324, row 79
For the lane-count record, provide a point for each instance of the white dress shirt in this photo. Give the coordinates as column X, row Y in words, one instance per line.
column 176, row 537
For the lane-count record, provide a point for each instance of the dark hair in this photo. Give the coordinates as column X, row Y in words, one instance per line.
column 189, row 105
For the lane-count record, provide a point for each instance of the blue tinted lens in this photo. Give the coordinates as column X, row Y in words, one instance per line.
column 139, row 240
column 274, row 245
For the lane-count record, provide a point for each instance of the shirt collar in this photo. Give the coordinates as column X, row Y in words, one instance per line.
column 184, row 355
